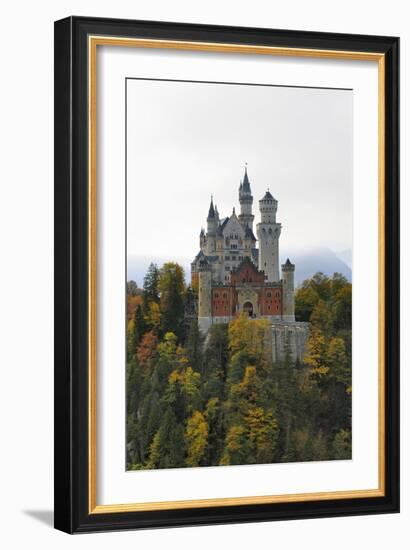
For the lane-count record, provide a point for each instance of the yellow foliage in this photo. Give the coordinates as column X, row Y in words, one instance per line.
column 174, row 377
column 250, row 335
column 315, row 356
column 196, row 437
column 234, row 439
column 153, row 316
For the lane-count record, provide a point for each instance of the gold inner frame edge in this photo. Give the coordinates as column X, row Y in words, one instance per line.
column 93, row 42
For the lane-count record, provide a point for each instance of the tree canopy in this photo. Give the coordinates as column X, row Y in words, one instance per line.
column 222, row 400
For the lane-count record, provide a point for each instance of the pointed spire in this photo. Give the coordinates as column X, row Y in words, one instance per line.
column 211, row 213
column 246, row 187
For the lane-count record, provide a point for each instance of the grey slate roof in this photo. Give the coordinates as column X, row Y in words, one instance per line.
column 268, row 196
column 246, row 187
column 249, row 233
column 211, row 213
column 224, row 222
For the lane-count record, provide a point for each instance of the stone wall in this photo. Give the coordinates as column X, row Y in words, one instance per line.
column 296, row 333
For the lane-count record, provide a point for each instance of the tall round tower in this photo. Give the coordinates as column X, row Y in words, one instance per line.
column 268, row 231
column 288, row 289
column 246, row 200
column 204, row 296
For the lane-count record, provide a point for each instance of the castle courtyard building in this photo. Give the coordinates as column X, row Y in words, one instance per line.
column 234, row 275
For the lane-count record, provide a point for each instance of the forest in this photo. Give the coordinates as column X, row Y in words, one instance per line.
column 224, row 401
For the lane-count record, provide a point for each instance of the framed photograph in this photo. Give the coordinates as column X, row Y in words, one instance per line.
column 226, row 274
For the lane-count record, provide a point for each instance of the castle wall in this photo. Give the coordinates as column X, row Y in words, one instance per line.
column 271, row 301
column 204, row 300
column 223, row 301
column 247, row 275
column 294, row 334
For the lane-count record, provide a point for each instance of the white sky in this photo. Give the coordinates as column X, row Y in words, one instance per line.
column 187, row 141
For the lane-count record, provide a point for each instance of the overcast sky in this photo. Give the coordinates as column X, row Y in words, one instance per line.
column 187, row 141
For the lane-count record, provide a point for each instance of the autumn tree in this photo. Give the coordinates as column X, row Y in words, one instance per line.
column 171, row 287
column 195, row 401
column 146, row 352
column 150, row 286
column 167, row 449
column 194, row 346
column 132, row 288
column 196, row 437
column 139, row 327
column 262, row 429
column 150, row 298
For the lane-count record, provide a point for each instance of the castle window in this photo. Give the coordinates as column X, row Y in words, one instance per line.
column 227, row 257
column 216, row 295
column 227, row 268
column 269, row 294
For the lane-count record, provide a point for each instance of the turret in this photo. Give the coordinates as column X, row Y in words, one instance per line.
column 268, row 232
column 217, row 215
column 268, row 207
column 212, row 227
column 202, row 239
column 246, row 200
column 204, row 295
column 288, row 300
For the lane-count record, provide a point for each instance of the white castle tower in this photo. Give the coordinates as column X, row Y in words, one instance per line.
column 268, row 232
column 246, row 200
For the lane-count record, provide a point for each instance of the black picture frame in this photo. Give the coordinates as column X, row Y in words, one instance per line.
column 72, row 276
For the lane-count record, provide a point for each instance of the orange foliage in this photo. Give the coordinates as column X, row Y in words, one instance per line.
column 147, row 350
column 132, row 302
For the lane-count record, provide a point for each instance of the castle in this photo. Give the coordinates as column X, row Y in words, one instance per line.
column 235, row 276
